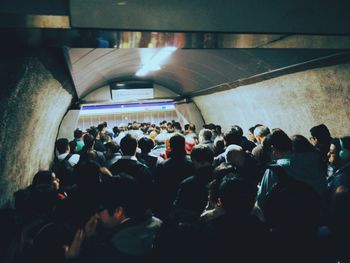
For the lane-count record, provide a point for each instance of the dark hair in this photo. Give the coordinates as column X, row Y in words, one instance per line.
column 89, row 140
column 321, row 133
column 186, row 127
column 122, row 191
column 42, row 177
column 145, row 144
column 128, row 145
column 87, row 174
column 301, row 145
column 192, row 127
column 233, row 136
column 112, row 146
column 294, row 205
column 177, row 144
column 116, row 130
column 218, row 129
column 93, row 131
column 78, row 133
column 100, row 127
column 218, row 146
column 73, row 146
column 177, row 126
column 222, row 170
column 61, row 145
column 207, row 134
column 202, row 154
column 279, row 140
column 237, row 195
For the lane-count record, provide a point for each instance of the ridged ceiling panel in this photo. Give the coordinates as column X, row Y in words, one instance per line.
column 186, row 71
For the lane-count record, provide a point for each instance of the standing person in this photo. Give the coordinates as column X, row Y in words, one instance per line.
column 78, row 138
column 170, row 173
column 321, row 139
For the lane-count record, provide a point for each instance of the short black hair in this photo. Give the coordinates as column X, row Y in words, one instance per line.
column 62, row 145
column 128, row 145
column 78, row 133
column 237, row 195
column 89, row 140
column 122, row 191
column 145, row 144
column 42, row 177
column 112, row 146
column 279, row 140
column 321, row 133
column 233, row 136
column 177, row 144
column 202, row 154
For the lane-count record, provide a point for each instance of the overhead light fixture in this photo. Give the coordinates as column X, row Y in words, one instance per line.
column 156, row 61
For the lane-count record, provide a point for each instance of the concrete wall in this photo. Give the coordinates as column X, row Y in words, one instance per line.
column 35, row 94
column 294, row 102
column 189, row 113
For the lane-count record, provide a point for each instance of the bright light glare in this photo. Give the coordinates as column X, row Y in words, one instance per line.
column 156, row 61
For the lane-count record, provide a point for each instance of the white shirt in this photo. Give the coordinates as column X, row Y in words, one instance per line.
column 73, row 160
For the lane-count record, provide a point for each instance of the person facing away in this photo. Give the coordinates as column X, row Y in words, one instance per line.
column 193, row 191
column 170, row 173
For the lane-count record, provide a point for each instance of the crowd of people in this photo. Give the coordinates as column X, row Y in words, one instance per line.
column 160, row 193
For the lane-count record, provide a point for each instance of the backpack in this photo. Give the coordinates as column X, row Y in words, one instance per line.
column 64, row 171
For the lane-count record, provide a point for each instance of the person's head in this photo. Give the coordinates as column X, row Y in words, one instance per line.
column 192, row 128
column 116, row 130
column 301, row 145
column 236, row 196
column 101, row 129
column 233, row 136
column 277, row 143
column 89, row 141
column 62, row 145
column 177, row 145
column 251, row 136
column 205, row 135
column 170, row 127
column 202, row 155
column 120, row 199
column 78, row 133
column 235, row 155
column 260, row 133
column 320, row 135
column 93, row 131
column 339, row 151
column 47, row 178
column 128, row 145
column 218, row 130
column 187, row 128
column 177, row 126
column 87, row 175
column 111, row 149
column 145, row 144
column 218, row 145
column 292, row 206
column 73, row 146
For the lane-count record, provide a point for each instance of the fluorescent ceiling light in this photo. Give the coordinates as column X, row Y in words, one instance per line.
column 156, row 61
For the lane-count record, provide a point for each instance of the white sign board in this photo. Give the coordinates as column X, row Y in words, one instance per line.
column 124, row 95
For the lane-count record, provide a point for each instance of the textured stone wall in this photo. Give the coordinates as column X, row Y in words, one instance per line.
column 36, row 92
column 294, row 102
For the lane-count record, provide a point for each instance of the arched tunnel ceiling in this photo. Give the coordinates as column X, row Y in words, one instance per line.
column 187, row 71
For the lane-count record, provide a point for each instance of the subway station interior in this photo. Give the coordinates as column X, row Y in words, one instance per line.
column 68, row 64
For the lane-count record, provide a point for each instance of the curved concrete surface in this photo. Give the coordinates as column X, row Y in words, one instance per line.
column 36, row 93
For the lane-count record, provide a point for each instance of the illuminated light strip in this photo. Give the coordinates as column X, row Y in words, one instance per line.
column 117, row 109
column 156, row 61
